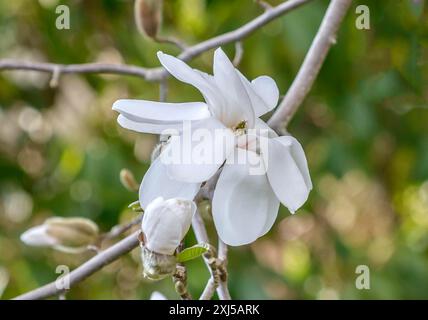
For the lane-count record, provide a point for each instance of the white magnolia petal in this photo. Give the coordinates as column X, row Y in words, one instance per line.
column 266, row 88
column 196, row 78
column 37, row 236
column 165, row 223
column 299, row 157
column 244, row 205
column 157, row 183
column 228, row 81
column 261, row 93
column 151, row 111
column 157, row 296
column 196, row 154
column 284, row 172
column 263, row 128
column 167, row 128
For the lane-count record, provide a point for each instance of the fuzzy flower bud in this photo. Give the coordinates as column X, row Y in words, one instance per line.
column 148, row 16
column 128, row 180
column 64, row 234
column 165, row 223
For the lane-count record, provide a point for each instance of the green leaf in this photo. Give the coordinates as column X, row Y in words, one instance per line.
column 193, row 252
column 135, row 206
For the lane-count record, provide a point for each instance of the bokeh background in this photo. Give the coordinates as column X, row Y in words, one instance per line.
column 364, row 127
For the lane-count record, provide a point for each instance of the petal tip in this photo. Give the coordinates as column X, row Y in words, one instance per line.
column 118, row 104
column 160, row 54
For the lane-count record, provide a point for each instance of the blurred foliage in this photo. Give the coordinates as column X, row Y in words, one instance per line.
column 363, row 126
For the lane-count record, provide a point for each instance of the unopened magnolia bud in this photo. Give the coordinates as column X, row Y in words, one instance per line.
column 165, row 223
column 157, row 266
column 64, row 234
column 128, row 180
column 148, row 16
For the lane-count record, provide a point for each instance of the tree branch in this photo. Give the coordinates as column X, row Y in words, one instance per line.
column 223, row 290
column 302, row 84
column 242, row 32
column 85, row 270
column 12, row 64
column 202, row 236
column 159, row 73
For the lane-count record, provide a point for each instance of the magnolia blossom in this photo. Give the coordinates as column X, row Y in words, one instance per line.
column 245, row 203
column 165, row 223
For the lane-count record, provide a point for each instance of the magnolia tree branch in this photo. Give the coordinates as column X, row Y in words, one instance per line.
column 202, row 236
column 302, row 84
column 58, row 69
column 156, row 74
column 85, row 270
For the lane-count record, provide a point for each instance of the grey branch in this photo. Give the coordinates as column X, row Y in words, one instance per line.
column 156, row 74
column 120, row 229
column 242, row 32
column 85, row 270
column 202, row 236
column 223, row 290
column 58, row 69
column 302, row 84
column 209, row 290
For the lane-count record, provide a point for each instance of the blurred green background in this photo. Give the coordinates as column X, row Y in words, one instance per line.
column 364, row 127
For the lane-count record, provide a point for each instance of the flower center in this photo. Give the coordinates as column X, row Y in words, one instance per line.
column 241, row 128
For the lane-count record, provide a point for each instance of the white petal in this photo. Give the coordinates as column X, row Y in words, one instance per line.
column 196, row 78
column 299, row 157
column 145, row 127
column 244, row 205
column 165, row 223
column 196, row 154
column 150, row 111
column 228, row 81
column 262, row 92
column 157, row 183
column 157, row 296
column 266, row 88
column 263, row 128
column 288, row 172
column 37, row 236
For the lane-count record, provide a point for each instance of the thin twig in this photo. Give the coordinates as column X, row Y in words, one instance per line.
column 85, row 270
column 264, row 5
column 163, row 90
column 123, row 69
column 223, row 290
column 122, row 228
column 209, row 290
column 239, row 53
column 202, row 236
column 171, row 40
column 156, row 74
column 325, row 38
column 243, row 31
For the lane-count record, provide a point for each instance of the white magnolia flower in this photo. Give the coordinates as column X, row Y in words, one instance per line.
column 165, row 223
column 245, row 205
